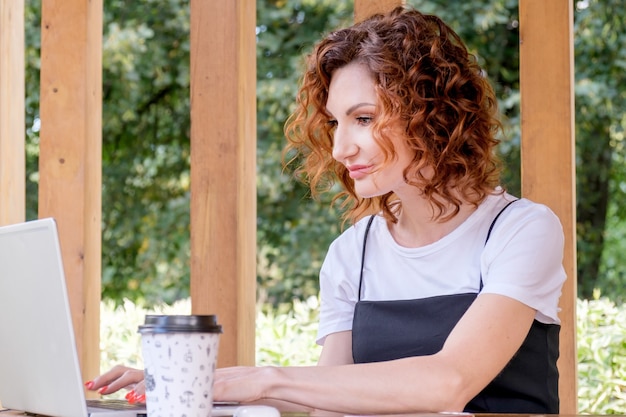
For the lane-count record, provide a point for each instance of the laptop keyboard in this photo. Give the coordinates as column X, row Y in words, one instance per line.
column 114, row 404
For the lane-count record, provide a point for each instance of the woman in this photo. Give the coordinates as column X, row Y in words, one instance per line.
column 443, row 294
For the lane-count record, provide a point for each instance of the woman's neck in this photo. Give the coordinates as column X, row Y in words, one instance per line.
column 416, row 226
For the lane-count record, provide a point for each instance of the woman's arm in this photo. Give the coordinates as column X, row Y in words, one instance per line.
column 337, row 349
column 478, row 348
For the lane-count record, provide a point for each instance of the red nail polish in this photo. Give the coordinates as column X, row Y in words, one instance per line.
column 104, row 388
column 89, row 385
column 131, row 394
column 141, row 398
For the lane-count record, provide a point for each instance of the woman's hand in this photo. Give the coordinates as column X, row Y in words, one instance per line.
column 117, row 378
column 252, row 385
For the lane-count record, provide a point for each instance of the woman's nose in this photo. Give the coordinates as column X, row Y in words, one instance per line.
column 343, row 145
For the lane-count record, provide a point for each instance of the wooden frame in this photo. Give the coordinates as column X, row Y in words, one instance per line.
column 223, row 171
column 547, row 110
column 12, row 152
column 70, row 156
column 223, row 205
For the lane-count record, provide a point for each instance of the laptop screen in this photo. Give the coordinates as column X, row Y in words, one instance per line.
column 39, row 370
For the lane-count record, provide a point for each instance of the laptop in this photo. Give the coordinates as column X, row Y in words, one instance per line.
column 39, row 368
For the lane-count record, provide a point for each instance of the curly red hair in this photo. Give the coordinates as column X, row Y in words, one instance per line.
column 425, row 79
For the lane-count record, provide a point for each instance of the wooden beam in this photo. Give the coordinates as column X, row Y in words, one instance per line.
column 223, row 171
column 12, row 133
column 366, row 8
column 70, row 161
column 548, row 149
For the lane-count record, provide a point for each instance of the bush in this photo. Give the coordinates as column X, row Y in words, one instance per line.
column 601, row 346
column 120, row 343
column 287, row 337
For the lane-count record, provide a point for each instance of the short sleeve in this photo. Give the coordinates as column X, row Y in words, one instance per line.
column 339, row 280
column 523, row 258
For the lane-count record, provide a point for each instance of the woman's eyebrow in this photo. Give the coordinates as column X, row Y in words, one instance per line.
column 352, row 108
column 357, row 106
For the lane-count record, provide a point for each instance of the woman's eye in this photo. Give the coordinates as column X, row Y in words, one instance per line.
column 364, row 120
column 331, row 124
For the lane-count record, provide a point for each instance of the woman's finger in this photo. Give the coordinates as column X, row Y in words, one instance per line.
column 115, row 379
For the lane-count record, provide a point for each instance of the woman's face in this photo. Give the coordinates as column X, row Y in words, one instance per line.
column 352, row 105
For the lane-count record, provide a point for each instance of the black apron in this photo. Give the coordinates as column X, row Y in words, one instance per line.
column 387, row 330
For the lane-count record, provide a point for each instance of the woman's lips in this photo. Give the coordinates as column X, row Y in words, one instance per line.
column 359, row 171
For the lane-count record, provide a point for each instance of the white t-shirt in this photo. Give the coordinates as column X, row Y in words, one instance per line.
column 523, row 259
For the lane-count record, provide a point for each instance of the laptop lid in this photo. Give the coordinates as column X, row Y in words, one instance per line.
column 39, row 368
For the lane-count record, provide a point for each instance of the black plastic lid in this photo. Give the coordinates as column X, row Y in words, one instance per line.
column 180, row 324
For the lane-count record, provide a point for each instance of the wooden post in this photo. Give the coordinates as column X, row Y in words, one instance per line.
column 223, row 171
column 548, row 148
column 12, row 134
column 70, row 160
column 365, row 8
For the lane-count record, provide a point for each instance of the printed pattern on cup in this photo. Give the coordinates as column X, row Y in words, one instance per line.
column 179, row 370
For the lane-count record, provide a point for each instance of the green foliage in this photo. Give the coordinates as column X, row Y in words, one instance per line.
column 612, row 277
column 32, row 37
column 146, row 151
column 287, row 337
column 600, row 123
column 601, row 335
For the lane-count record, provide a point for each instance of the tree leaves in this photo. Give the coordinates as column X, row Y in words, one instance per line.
column 600, row 103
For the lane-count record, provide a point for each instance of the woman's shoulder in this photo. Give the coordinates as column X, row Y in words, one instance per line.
column 354, row 235
column 531, row 211
column 522, row 217
column 514, row 209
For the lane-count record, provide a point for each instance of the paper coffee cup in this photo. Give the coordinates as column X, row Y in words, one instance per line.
column 180, row 357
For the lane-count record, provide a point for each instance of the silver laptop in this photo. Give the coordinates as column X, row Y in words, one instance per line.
column 39, row 368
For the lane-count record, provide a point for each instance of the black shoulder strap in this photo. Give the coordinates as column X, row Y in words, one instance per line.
column 493, row 223
column 367, row 230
